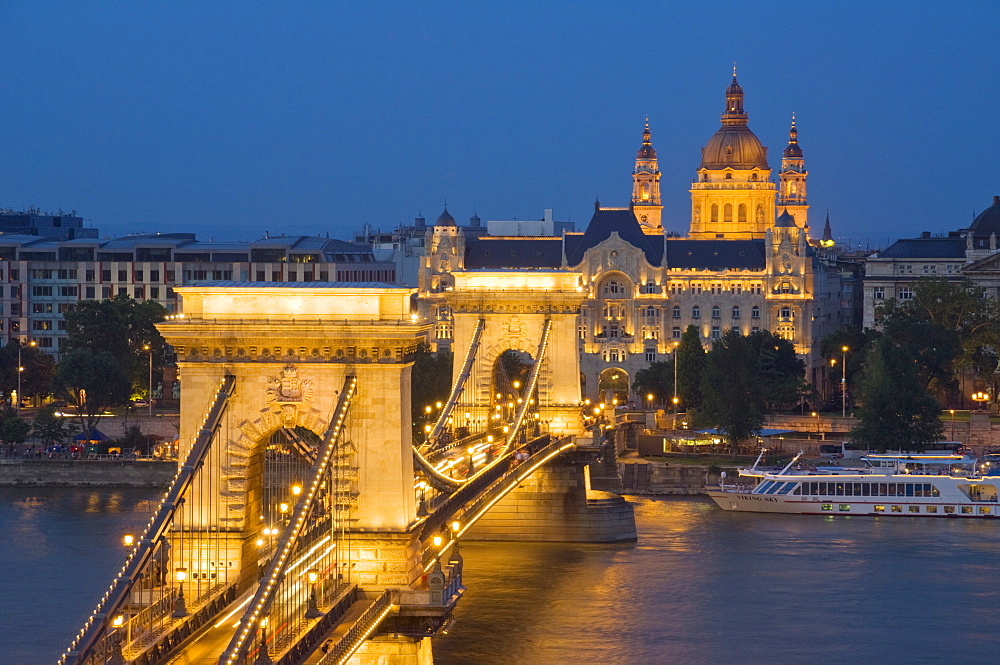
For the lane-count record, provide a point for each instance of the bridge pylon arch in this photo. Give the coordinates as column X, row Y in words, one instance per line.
column 515, row 306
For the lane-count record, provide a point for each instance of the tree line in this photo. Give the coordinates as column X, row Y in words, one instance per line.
column 899, row 375
column 104, row 362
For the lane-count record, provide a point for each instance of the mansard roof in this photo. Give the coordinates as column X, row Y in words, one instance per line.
column 715, row 254
column 615, row 220
column 499, row 252
column 925, row 248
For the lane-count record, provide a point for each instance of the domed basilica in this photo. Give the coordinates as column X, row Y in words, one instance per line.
column 746, row 261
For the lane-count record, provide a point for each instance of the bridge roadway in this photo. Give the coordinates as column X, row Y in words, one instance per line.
column 340, row 632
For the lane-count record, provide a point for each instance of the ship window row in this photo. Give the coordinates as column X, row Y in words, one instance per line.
column 864, row 489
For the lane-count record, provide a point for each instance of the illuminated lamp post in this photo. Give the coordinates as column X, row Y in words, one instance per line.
column 180, row 609
column 843, row 382
column 313, row 611
column 981, row 398
column 263, row 657
column 455, row 528
column 128, row 540
column 20, row 370
column 149, row 395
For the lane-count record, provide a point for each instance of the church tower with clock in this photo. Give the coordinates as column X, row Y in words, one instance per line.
column 792, row 180
column 646, row 187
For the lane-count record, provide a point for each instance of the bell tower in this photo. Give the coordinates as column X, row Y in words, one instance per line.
column 792, row 180
column 646, row 187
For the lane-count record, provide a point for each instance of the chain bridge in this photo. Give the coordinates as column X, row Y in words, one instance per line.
column 312, row 519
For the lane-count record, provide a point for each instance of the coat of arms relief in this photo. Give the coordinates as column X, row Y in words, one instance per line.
column 287, row 392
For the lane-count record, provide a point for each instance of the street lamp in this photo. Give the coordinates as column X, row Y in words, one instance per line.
column 843, row 382
column 981, row 398
column 180, row 609
column 20, row 370
column 263, row 657
column 149, row 395
column 313, row 611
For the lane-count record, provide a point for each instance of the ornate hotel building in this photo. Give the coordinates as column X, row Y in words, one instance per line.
column 745, row 262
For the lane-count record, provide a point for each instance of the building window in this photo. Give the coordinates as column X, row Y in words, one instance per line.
column 756, row 289
column 675, row 332
column 716, row 289
column 785, row 287
column 696, row 289
column 786, row 312
column 716, row 311
column 736, row 311
column 41, row 290
column 716, row 332
column 614, row 288
column 41, row 325
column 68, row 291
column 676, row 288
column 878, row 293
column 123, row 275
column 755, row 312
column 905, row 293
column 444, row 331
column 696, row 312
column 736, row 288
column 651, row 355
column 650, row 312
column 677, row 312
column 89, row 292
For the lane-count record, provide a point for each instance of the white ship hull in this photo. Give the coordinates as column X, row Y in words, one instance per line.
column 730, row 499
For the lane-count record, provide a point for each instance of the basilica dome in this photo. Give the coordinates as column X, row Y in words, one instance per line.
column 734, row 145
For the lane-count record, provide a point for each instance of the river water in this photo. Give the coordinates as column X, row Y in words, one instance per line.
column 700, row 586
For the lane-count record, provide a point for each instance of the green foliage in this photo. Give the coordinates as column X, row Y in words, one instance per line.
column 51, row 428
column 896, row 412
column 732, row 388
column 121, row 327
column 690, row 357
column 13, row 428
column 948, row 326
column 135, row 439
column 747, row 378
column 37, row 374
column 657, row 380
column 91, row 381
column 430, row 379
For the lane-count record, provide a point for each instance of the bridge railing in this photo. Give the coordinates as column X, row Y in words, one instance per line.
column 366, row 624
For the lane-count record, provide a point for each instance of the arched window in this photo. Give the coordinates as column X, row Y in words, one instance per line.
column 786, row 312
column 715, row 311
column 696, row 312
column 727, row 213
column 743, row 213
column 677, row 312
column 755, row 312
column 715, row 212
column 753, row 176
column 729, row 176
column 736, row 311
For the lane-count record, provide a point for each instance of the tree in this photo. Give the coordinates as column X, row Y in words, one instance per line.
column 782, row 372
column 49, row 427
column 38, row 367
column 13, row 428
column 122, row 327
column 430, row 380
column 732, row 388
column 895, row 412
column 91, row 381
column 656, row 380
column 857, row 341
column 690, row 356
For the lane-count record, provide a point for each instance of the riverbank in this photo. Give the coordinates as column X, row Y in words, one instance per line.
column 655, row 478
column 152, row 474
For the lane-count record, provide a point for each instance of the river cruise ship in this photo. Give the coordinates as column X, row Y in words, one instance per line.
column 911, row 485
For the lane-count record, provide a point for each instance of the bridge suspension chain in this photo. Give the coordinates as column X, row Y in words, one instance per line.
column 93, row 633
column 459, row 387
column 531, row 384
column 260, row 604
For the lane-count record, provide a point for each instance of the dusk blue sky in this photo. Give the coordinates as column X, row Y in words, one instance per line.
column 232, row 119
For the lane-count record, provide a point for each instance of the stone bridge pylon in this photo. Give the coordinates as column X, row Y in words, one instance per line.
column 290, row 350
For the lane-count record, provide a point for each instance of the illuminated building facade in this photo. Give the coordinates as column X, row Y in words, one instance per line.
column 746, row 261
